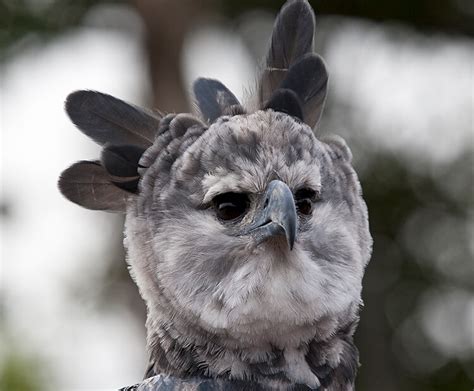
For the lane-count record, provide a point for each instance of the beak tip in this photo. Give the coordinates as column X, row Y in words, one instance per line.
column 290, row 233
column 291, row 244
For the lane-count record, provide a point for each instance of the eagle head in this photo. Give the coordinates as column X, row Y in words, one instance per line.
column 246, row 234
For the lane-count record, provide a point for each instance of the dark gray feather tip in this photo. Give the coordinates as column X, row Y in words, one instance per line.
column 89, row 185
column 122, row 160
column 213, row 98
column 292, row 35
column 308, row 78
column 292, row 38
column 122, row 163
column 106, row 119
column 286, row 101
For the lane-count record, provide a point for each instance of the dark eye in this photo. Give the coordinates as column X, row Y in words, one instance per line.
column 230, row 206
column 304, row 199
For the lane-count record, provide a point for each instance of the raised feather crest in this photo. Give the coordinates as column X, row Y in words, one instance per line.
column 293, row 81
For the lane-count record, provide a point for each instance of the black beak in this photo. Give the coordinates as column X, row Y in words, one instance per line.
column 277, row 215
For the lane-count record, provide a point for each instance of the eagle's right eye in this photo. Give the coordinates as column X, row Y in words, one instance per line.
column 230, row 206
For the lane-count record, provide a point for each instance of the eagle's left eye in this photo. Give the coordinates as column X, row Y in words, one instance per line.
column 230, row 206
column 304, row 199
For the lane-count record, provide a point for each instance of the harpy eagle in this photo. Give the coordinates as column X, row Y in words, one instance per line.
column 246, row 234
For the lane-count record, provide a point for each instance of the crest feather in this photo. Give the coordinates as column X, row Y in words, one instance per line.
column 291, row 65
column 106, row 119
column 213, row 98
column 88, row 184
column 292, row 38
column 308, row 78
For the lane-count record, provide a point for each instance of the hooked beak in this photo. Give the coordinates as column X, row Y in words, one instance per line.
column 277, row 215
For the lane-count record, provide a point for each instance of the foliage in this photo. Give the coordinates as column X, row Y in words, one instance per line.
column 19, row 18
column 21, row 372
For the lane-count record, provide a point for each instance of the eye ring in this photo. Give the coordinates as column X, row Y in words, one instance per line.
column 230, row 206
column 304, row 207
column 305, row 199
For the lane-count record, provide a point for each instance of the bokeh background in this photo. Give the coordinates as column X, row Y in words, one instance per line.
column 401, row 92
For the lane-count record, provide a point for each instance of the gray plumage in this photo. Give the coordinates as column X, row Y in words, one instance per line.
column 170, row 383
column 213, row 99
column 110, row 120
column 88, row 184
column 292, row 38
column 246, row 235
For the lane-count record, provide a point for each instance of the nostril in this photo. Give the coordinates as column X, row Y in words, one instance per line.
column 266, row 222
column 266, row 203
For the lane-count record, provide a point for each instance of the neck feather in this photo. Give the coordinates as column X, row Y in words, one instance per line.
column 326, row 361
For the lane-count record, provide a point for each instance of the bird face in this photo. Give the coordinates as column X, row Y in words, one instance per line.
column 257, row 224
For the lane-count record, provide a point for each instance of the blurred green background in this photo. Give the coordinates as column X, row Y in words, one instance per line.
column 417, row 326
